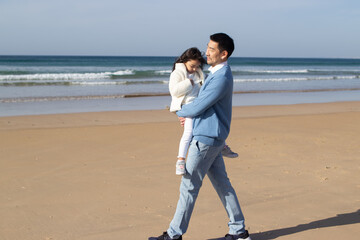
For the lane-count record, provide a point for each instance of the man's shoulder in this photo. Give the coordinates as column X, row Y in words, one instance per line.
column 224, row 71
column 227, row 68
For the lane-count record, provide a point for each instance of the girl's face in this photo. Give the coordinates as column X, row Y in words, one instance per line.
column 192, row 66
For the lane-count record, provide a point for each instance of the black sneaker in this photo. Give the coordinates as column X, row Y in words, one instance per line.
column 164, row 236
column 244, row 236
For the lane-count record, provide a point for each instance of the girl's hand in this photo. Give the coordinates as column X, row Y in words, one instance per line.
column 182, row 121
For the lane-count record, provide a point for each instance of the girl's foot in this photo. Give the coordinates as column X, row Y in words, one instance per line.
column 180, row 167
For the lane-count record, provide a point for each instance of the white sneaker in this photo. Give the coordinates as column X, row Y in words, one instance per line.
column 180, row 167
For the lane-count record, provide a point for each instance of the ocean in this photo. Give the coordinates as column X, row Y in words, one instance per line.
column 67, row 84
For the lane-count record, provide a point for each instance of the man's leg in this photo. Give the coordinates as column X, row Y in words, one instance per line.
column 218, row 177
column 200, row 158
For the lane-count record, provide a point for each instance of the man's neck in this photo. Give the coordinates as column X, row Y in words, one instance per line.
column 218, row 66
column 218, row 63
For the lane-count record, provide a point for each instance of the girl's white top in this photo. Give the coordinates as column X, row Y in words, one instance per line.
column 181, row 89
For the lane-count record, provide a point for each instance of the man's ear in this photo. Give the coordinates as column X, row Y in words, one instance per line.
column 224, row 54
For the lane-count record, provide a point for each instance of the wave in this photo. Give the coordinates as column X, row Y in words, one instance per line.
column 134, row 74
column 164, row 72
column 72, row 98
column 55, row 76
column 132, row 82
column 334, row 72
column 296, row 79
column 92, row 82
column 271, row 71
column 74, row 83
column 325, row 72
column 298, row 90
column 121, row 74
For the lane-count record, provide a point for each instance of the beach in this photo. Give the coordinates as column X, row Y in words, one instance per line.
column 111, row 175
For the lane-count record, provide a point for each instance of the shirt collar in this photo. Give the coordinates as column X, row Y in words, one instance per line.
column 217, row 67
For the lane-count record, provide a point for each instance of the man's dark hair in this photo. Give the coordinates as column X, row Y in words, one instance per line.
column 225, row 42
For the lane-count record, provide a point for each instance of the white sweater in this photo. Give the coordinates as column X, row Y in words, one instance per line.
column 181, row 89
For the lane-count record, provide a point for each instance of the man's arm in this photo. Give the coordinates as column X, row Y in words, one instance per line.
column 212, row 92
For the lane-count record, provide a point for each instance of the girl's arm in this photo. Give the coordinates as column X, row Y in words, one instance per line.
column 179, row 85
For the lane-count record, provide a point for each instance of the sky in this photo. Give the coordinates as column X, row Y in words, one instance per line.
column 260, row 28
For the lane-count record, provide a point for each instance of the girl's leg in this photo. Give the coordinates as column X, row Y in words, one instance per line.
column 184, row 145
column 186, row 138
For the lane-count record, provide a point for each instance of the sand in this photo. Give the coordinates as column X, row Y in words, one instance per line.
column 111, row 175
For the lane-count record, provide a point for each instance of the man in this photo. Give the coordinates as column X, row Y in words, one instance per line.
column 211, row 111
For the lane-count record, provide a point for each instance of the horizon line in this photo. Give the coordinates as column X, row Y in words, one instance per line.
column 71, row 55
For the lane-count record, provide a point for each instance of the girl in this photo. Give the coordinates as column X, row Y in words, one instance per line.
column 184, row 85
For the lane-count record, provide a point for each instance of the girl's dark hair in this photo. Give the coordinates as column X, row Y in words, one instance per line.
column 191, row 54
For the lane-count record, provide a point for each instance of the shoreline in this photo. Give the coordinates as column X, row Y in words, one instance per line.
column 105, row 175
column 141, row 95
column 163, row 115
column 116, row 103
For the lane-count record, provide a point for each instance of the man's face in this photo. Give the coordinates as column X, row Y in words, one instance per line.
column 213, row 54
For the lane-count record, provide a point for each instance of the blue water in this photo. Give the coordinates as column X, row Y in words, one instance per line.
column 60, row 84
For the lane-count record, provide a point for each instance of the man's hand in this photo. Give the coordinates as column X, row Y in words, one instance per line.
column 182, row 121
